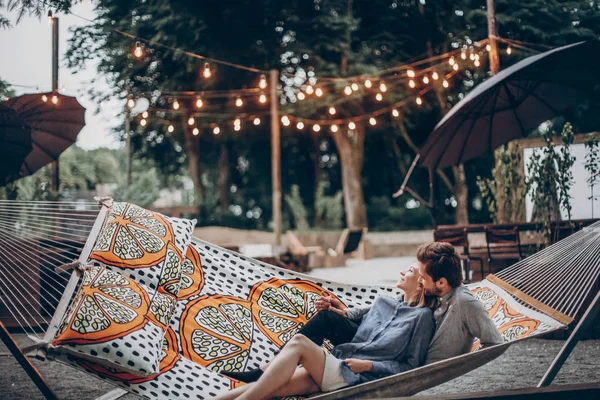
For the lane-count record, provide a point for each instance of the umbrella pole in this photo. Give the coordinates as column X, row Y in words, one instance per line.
column 432, row 198
column 408, row 174
column 55, row 167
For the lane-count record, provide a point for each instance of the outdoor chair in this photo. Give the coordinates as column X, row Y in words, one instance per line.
column 458, row 237
column 503, row 243
column 351, row 244
column 310, row 255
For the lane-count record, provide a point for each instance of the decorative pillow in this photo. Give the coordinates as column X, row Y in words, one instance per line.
column 116, row 322
column 144, row 245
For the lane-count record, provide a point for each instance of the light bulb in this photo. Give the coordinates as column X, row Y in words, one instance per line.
column 285, row 120
column 351, row 125
column 138, row 52
column 425, row 79
column 171, row 128
column 445, row 83
column 237, row 128
column 477, row 63
column 471, row 56
column 309, row 90
column 237, row 121
column 410, row 73
column 508, row 50
column 455, row 67
column 395, row 113
column 316, row 128
column 44, row 98
column 191, row 121
column 206, row 71
column 418, row 100
column 54, row 99
column 301, row 96
column 368, row 84
column 379, row 97
column 199, row 103
column 354, row 86
column 130, row 103
column 256, row 121
column 463, row 55
column 143, row 122
column 262, row 99
column 435, row 76
column 451, row 61
column 319, row 92
column 372, row 121
column 383, row 87
column 488, row 47
column 50, row 21
column 239, row 102
column 195, row 132
column 145, row 114
column 347, row 90
column 300, row 125
column 216, row 130
column 334, row 128
column 175, row 105
column 412, row 83
column 332, row 110
column 263, row 82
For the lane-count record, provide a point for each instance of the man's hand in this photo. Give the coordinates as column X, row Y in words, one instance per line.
column 358, row 366
column 331, row 304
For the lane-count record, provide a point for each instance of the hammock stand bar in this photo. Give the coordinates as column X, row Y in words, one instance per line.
column 557, row 315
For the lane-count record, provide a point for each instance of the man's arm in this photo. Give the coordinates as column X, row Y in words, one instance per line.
column 479, row 323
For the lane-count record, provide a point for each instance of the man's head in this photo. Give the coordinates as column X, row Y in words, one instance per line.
column 440, row 267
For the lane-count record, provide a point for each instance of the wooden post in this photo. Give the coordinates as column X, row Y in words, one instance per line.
column 55, row 167
column 275, row 155
column 491, row 18
column 128, row 143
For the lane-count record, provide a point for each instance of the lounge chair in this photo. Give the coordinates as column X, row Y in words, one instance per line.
column 350, row 245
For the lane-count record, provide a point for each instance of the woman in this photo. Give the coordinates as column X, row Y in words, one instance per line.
column 393, row 337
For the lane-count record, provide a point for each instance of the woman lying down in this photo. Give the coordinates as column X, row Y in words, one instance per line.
column 393, row 337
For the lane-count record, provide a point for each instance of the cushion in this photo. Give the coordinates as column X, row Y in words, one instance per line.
column 144, row 245
column 116, row 322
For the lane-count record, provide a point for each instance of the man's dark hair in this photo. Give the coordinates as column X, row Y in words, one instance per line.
column 441, row 261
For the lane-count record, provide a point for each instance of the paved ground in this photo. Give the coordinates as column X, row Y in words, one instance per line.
column 521, row 366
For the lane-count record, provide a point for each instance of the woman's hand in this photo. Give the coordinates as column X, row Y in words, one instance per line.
column 331, row 304
column 358, row 366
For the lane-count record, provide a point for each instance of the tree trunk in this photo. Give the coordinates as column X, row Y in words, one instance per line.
column 193, row 156
column 461, row 195
column 224, row 176
column 351, row 151
column 315, row 157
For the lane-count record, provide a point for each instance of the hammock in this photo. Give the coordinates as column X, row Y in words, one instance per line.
column 234, row 313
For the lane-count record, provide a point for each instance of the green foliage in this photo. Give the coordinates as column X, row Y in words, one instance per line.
column 592, row 165
column 386, row 216
column 294, row 202
column 329, row 209
column 143, row 190
column 487, row 188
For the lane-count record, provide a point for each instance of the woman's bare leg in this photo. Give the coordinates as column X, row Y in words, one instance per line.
column 234, row 393
column 300, row 384
column 281, row 369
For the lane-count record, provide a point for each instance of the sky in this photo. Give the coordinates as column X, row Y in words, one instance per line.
column 26, row 59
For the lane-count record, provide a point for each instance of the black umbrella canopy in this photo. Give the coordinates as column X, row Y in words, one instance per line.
column 15, row 143
column 55, row 121
column 513, row 103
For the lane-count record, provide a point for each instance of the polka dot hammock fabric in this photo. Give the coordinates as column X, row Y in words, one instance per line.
column 227, row 312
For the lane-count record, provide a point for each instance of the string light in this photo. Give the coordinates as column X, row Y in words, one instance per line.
column 463, row 55
column 239, row 102
column 368, row 84
column 138, row 52
column 256, row 121
column 347, row 90
column 199, row 102
column 237, row 128
column 130, row 102
column 425, row 79
column 372, row 121
column 319, row 92
column 379, row 97
column 216, row 130
column 44, row 98
column 50, row 20
column 309, row 90
column 418, row 100
column 477, row 63
column 383, row 87
column 472, row 57
column 445, row 83
column 410, row 73
column 354, row 86
column 334, row 128
column 435, row 76
column 508, row 50
column 54, row 99
column 332, row 110
column 195, row 132
column 451, row 61
column 171, row 128
column 206, row 73
column 262, row 99
column 191, row 121
column 301, row 96
column 143, row 122
column 237, row 121
column 316, row 128
column 412, row 83
column 455, row 67
column 488, row 47
column 395, row 113
column 300, row 125
column 351, row 125
column 145, row 114
column 175, row 105
column 263, row 82
column 285, row 120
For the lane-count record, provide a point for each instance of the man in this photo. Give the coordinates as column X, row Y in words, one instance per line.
column 459, row 316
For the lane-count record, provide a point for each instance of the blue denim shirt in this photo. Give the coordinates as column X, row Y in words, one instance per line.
column 392, row 335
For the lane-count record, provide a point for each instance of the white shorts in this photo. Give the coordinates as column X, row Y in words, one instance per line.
column 332, row 374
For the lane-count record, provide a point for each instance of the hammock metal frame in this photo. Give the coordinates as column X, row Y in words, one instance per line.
column 430, row 375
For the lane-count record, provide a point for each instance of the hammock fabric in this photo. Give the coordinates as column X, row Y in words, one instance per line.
column 233, row 313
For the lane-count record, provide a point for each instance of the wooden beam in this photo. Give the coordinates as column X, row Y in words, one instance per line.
column 528, row 143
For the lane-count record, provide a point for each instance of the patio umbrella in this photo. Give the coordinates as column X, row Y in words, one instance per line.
column 54, row 126
column 15, row 143
column 512, row 104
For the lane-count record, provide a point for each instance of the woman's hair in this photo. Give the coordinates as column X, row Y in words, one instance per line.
column 423, row 299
